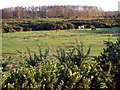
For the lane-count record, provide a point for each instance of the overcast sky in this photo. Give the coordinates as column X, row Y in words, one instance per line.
column 106, row 5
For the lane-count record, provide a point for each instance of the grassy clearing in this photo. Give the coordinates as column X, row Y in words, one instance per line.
column 21, row 40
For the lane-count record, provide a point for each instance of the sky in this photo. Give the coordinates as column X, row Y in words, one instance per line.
column 107, row 5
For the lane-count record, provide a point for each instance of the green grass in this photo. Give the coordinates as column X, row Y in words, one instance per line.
column 21, row 40
column 66, row 39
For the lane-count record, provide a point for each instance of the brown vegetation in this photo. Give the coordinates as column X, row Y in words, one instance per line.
column 66, row 11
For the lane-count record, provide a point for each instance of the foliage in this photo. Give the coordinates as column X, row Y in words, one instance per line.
column 7, row 29
column 5, row 62
column 109, row 62
column 53, row 24
column 76, row 55
column 34, row 61
column 70, row 26
column 68, row 70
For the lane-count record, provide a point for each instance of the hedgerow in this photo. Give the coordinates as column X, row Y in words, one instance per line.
column 38, row 25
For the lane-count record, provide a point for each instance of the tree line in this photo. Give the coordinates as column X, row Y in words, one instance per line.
column 63, row 11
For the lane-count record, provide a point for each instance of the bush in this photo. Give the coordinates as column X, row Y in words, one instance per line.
column 44, row 73
column 7, row 29
column 65, row 26
column 17, row 28
column 59, row 26
column 70, row 26
column 3, row 31
column 67, row 69
column 109, row 62
column 44, row 26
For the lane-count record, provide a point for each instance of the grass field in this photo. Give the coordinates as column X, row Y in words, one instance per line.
column 66, row 38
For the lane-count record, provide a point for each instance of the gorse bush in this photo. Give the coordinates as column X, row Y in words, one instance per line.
column 34, row 61
column 109, row 62
column 53, row 24
column 36, row 26
column 68, row 69
column 76, row 54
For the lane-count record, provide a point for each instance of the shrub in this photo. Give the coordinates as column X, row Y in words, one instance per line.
column 3, row 31
column 7, row 29
column 109, row 62
column 70, row 26
column 30, row 29
column 69, row 70
column 65, row 26
column 17, row 28
column 59, row 26
column 75, row 55
column 44, row 73
column 34, row 61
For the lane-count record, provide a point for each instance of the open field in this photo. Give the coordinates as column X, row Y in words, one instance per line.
column 66, row 38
